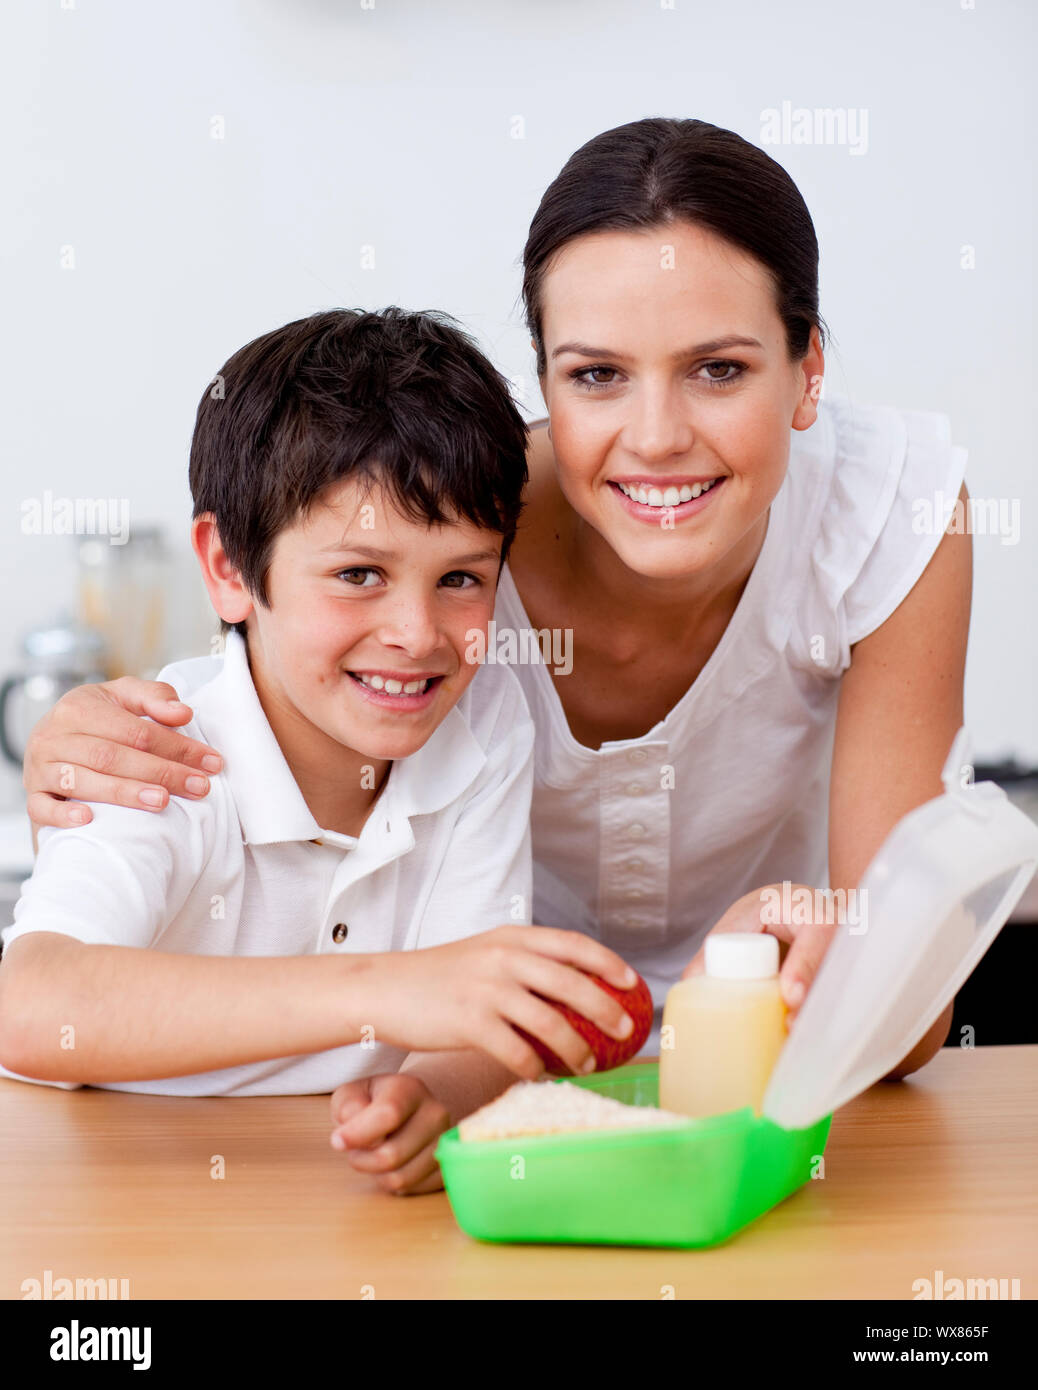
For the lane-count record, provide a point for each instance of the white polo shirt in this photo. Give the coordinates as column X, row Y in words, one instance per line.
column 247, row 871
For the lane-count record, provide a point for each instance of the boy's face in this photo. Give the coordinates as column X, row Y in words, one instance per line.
column 364, row 602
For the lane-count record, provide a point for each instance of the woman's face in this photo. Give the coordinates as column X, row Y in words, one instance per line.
column 649, row 400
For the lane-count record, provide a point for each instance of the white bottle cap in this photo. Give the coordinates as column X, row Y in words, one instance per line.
column 742, row 955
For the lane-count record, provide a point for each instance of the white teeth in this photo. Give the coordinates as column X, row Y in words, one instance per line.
column 672, row 497
column 393, row 687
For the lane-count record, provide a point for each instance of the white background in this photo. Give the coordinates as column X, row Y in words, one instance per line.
column 393, row 127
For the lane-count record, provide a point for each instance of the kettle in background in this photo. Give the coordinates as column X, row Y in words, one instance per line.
column 57, row 658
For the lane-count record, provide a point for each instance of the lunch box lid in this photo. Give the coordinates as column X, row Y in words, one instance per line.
column 930, row 903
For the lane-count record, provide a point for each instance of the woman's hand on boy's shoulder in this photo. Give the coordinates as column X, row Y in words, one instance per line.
column 108, row 742
column 389, row 1126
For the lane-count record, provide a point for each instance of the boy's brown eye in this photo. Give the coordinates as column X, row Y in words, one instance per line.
column 349, row 576
column 458, row 574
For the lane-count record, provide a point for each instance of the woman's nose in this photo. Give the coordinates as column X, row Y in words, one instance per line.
column 658, row 426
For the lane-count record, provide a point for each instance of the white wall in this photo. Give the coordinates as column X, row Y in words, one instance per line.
column 393, row 127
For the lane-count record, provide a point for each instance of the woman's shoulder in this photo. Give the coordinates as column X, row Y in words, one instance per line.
column 546, row 522
column 867, row 498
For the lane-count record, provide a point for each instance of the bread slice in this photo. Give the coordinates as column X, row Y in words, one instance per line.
column 557, row 1107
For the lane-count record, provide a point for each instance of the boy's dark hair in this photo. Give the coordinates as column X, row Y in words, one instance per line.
column 406, row 400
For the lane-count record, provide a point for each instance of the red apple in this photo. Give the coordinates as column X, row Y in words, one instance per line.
column 609, row 1052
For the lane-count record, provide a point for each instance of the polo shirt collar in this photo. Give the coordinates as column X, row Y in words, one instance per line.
column 271, row 808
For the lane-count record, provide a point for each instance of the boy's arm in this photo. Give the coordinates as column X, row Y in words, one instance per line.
column 70, row 1011
column 85, row 997
column 462, row 1081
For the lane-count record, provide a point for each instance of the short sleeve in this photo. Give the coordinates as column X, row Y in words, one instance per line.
column 889, row 486
column 927, row 480
column 116, row 881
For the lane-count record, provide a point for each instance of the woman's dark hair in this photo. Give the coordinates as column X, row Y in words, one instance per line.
column 406, row 400
column 659, row 170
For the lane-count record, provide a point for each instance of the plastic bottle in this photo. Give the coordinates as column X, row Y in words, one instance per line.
column 727, row 1028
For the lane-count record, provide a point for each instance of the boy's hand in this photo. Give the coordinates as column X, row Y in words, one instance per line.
column 389, row 1126
column 95, row 745
column 802, row 946
column 472, row 993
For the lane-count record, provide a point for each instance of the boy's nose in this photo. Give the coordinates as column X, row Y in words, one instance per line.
column 412, row 627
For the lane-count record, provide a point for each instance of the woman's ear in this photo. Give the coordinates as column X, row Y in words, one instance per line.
column 227, row 593
column 810, row 375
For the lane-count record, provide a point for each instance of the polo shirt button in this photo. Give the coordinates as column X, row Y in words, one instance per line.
column 636, row 829
column 635, row 789
column 638, row 755
column 339, row 933
column 634, row 892
column 635, row 864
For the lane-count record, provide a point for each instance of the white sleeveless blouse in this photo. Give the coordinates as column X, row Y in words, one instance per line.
column 645, row 842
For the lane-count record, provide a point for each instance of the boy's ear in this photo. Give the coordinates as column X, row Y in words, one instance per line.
column 227, row 593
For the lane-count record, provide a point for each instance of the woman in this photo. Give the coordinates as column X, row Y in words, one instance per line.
column 751, row 606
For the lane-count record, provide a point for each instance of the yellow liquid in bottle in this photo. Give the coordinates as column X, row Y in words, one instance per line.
column 726, row 1036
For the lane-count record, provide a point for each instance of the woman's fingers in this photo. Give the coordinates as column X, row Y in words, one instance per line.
column 804, row 957
column 94, row 769
column 45, row 809
column 111, row 716
column 79, row 781
column 156, row 699
column 802, row 944
column 743, row 915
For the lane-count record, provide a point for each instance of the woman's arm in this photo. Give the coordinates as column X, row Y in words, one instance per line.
column 900, row 707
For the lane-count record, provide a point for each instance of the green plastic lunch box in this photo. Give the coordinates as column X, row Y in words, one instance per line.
column 931, row 902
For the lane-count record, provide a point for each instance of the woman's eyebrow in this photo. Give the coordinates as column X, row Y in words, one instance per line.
column 714, row 345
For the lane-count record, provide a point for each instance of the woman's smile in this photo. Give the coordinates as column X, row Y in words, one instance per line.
column 665, row 501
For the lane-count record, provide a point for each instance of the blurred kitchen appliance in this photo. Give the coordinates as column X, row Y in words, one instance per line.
column 56, row 658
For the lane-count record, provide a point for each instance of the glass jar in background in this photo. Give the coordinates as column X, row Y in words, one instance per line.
column 122, row 595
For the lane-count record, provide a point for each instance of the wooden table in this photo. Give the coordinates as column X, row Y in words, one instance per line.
column 937, row 1172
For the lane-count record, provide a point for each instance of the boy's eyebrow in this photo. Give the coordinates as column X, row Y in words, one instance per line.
column 371, row 552
column 714, row 345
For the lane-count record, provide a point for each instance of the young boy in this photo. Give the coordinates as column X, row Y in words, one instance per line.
column 320, row 920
